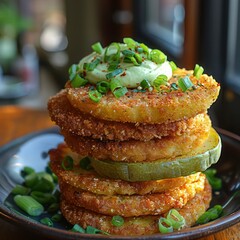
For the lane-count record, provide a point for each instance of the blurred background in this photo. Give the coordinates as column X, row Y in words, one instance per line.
column 39, row 40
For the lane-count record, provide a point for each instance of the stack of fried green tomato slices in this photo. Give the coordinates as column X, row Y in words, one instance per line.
column 131, row 119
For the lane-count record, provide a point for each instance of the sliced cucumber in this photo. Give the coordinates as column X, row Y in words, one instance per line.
column 197, row 161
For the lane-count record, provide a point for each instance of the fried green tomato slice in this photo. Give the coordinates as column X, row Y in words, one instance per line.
column 150, row 106
column 74, row 121
column 89, row 180
column 197, row 160
column 134, row 205
column 140, row 151
column 134, row 226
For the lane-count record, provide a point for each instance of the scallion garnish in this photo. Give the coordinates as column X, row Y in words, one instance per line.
column 130, row 43
column 20, row 190
column 114, row 73
column 85, row 163
column 165, row 225
column 92, row 230
column 29, row 205
column 174, row 86
column 173, row 66
column 214, row 181
column 128, row 53
column 145, row 84
column 67, row 163
column 46, row 221
column 177, row 220
column 95, row 95
column 77, row 228
column 103, row 86
column 210, row 215
column 42, row 197
column 113, row 65
column 78, row 81
column 115, row 56
column 92, row 65
column 185, row 83
column 138, row 58
column 160, row 80
column 97, row 47
column 157, row 56
column 117, row 221
column 73, row 70
column 198, row 71
column 120, row 92
column 26, row 171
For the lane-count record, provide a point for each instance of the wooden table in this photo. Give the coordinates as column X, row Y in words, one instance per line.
column 16, row 122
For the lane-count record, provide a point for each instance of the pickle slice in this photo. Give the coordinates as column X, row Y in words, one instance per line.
column 198, row 160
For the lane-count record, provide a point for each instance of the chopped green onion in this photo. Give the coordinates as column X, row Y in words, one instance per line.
column 73, row 70
column 185, row 83
column 145, row 49
column 139, row 49
column 31, row 179
column 158, row 56
column 134, row 61
column 174, row 86
column 78, row 81
column 85, row 163
column 20, row 190
column 120, row 92
column 138, row 58
column 47, row 221
column 145, row 84
column 67, row 163
column 29, row 205
column 214, row 181
column 130, row 43
column 44, row 185
column 113, row 65
column 43, row 198
column 160, row 80
column 166, row 227
column 114, row 56
column 114, row 84
column 103, row 86
column 177, row 220
column 198, row 71
column 95, row 95
column 54, row 207
column 114, row 73
column 117, row 221
column 26, row 171
column 92, row 65
column 77, row 228
column 56, row 217
column 97, row 47
column 210, row 215
column 92, row 230
column 128, row 53
column 173, row 66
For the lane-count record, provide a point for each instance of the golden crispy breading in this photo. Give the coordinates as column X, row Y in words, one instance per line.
column 134, row 205
column 149, row 107
column 92, row 182
column 143, row 225
column 138, row 151
column 73, row 120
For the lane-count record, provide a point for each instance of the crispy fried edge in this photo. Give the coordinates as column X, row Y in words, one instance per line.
column 143, row 225
column 129, row 206
column 73, row 120
column 150, row 107
column 139, row 151
column 92, row 182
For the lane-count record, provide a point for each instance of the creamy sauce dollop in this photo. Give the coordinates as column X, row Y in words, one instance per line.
column 132, row 75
